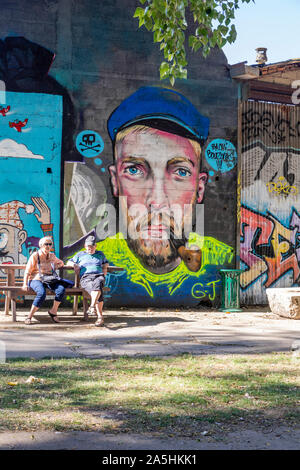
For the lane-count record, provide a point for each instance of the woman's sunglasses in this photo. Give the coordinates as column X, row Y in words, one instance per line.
column 47, row 244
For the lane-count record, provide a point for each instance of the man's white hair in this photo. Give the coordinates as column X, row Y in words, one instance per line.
column 43, row 240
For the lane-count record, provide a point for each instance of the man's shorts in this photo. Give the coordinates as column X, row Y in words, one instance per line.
column 90, row 282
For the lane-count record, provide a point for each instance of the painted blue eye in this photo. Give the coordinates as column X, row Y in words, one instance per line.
column 133, row 171
column 183, row 172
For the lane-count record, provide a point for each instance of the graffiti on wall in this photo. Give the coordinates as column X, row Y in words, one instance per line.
column 89, row 144
column 221, row 155
column 281, row 187
column 158, row 139
column 270, row 124
column 270, row 181
column 269, row 247
column 156, row 179
column 29, row 174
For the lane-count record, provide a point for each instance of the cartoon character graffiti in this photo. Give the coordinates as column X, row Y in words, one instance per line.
column 12, row 233
column 32, row 245
column 157, row 137
column 269, row 247
column 270, row 181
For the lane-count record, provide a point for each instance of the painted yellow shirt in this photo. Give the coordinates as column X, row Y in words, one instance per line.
column 118, row 253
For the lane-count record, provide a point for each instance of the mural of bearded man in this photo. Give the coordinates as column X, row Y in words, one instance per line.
column 157, row 137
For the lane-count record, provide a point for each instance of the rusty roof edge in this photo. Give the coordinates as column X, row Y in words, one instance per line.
column 267, row 68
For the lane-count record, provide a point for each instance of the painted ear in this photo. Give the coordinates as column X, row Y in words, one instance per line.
column 22, row 237
column 201, row 186
column 113, row 179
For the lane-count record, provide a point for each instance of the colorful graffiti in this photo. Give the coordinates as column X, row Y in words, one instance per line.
column 270, row 181
column 269, row 247
column 116, row 249
column 275, row 124
column 157, row 138
column 89, row 143
column 201, row 291
column 281, row 187
column 221, row 155
column 29, row 204
column 12, row 233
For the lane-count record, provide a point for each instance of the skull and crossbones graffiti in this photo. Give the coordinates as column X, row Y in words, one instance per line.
column 87, row 143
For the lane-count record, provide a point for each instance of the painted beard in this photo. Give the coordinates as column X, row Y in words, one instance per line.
column 151, row 243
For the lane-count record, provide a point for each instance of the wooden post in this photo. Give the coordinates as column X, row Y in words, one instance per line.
column 14, row 308
column 75, row 301
column 10, row 282
column 85, row 308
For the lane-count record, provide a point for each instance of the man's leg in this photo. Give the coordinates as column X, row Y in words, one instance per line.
column 99, row 310
column 99, row 307
column 95, row 294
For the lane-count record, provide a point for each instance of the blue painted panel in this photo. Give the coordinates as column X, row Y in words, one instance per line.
column 30, row 173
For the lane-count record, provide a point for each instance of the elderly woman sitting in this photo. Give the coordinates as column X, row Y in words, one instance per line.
column 40, row 275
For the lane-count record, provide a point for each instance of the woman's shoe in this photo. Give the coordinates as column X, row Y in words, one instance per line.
column 53, row 317
column 99, row 322
column 28, row 321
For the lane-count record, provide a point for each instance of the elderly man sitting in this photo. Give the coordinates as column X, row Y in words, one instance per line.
column 92, row 267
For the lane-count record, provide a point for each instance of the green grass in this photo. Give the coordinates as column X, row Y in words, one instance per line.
column 171, row 395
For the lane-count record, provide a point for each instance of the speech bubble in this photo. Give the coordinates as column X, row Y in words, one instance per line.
column 221, row 155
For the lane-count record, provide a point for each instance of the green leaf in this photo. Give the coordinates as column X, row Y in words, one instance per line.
column 138, row 12
column 197, row 46
column 164, row 68
column 158, row 37
column 148, row 23
column 192, row 41
column 167, row 20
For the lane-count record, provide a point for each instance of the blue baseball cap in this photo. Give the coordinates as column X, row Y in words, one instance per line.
column 162, row 109
column 90, row 241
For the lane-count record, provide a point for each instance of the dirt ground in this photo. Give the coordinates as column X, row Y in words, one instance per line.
column 160, row 333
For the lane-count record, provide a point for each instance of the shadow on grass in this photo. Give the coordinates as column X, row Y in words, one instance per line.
column 143, row 394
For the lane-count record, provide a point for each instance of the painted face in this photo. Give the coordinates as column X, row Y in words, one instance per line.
column 11, row 241
column 158, row 172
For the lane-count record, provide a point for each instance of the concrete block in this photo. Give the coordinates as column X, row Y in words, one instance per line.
column 285, row 301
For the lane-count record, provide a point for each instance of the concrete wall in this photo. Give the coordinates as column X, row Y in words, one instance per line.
column 100, row 59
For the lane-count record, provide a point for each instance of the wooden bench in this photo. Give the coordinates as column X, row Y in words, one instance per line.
column 12, row 289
